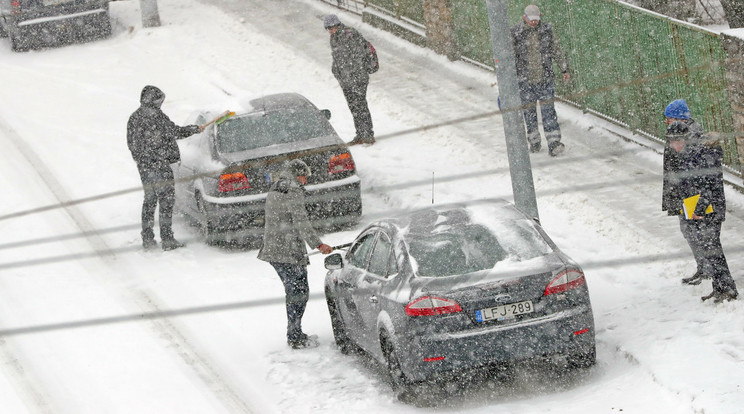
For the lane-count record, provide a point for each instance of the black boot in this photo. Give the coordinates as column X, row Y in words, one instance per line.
column 694, row 279
column 171, row 244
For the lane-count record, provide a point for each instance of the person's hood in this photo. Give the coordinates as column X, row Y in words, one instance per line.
column 287, row 180
column 152, row 96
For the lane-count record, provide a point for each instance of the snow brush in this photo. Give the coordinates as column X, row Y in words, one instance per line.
column 219, row 118
column 339, row 247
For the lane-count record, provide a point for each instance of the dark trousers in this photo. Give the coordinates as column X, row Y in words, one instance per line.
column 544, row 93
column 157, row 182
column 704, row 238
column 356, row 97
column 296, row 293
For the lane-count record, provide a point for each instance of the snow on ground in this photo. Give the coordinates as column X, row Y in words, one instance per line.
column 89, row 323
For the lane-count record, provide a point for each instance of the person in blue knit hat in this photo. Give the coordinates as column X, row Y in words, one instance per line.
column 693, row 169
column 678, row 111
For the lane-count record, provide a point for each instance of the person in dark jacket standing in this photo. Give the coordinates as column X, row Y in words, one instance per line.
column 536, row 47
column 696, row 193
column 349, row 50
column 151, row 137
column 286, row 231
column 678, row 111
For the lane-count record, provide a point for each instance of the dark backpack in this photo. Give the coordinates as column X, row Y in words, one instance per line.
column 373, row 64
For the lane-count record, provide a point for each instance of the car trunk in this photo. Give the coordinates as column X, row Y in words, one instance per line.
column 495, row 297
column 263, row 169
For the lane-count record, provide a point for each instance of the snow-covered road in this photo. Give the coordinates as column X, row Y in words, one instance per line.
column 89, row 323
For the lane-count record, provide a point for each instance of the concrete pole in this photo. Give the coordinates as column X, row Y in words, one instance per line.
column 150, row 15
column 516, row 139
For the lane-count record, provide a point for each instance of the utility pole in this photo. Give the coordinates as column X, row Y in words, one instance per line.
column 516, row 140
column 150, row 15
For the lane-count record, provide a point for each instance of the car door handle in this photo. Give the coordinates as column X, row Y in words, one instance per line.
column 373, row 299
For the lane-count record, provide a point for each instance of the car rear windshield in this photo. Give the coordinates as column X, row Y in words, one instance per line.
column 474, row 247
column 258, row 130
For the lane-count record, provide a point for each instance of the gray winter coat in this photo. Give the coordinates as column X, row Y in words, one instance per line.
column 287, row 227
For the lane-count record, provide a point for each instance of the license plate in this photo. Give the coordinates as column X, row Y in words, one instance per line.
column 502, row 312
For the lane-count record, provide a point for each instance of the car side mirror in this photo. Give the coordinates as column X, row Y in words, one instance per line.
column 334, row 262
column 326, row 113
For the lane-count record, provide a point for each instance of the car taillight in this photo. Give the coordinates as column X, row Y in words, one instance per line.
column 566, row 280
column 432, row 305
column 340, row 163
column 232, row 182
column 15, row 7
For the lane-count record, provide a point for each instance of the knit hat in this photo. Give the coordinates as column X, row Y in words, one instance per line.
column 298, row 168
column 330, row 21
column 677, row 109
column 678, row 131
column 532, row 12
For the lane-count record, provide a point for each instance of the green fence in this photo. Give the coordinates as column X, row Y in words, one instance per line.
column 626, row 64
column 410, row 9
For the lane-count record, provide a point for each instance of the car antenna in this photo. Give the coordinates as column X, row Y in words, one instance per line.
column 432, row 187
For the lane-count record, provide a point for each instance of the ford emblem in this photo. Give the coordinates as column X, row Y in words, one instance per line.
column 503, row 298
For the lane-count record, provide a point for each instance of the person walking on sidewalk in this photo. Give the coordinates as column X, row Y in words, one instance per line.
column 151, row 138
column 536, row 48
column 696, row 193
column 349, row 50
column 286, row 231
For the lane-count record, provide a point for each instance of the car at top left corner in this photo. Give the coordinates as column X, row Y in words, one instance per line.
column 226, row 171
column 36, row 23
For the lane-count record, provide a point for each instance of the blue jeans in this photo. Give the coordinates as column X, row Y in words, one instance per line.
column 704, row 238
column 530, row 95
column 296, row 291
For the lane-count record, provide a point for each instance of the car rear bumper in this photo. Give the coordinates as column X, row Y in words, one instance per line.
column 65, row 18
column 327, row 200
column 563, row 333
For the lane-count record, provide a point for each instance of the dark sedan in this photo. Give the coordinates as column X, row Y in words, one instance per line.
column 445, row 291
column 33, row 23
column 227, row 170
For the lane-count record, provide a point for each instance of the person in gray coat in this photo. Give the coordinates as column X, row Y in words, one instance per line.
column 286, row 231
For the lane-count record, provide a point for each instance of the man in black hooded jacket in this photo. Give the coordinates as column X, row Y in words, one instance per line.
column 151, row 137
column 349, row 50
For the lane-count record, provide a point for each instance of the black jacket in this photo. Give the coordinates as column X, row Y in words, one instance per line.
column 669, row 199
column 349, row 50
column 698, row 170
column 151, row 135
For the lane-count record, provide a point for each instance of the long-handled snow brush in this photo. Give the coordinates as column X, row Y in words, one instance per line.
column 219, row 118
column 339, row 247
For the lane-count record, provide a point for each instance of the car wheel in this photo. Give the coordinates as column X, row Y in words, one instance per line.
column 405, row 389
column 344, row 343
column 17, row 44
column 104, row 30
column 206, row 226
column 583, row 359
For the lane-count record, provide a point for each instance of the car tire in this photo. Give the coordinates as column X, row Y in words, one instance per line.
column 405, row 390
column 18, row 44
column 344, row 343
column 206, row 227
column 104, row 30
column 582, row 359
